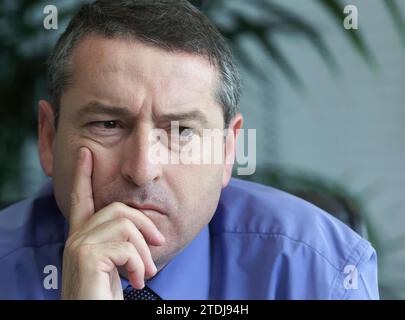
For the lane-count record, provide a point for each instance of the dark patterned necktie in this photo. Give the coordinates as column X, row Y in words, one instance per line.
column 131, row 293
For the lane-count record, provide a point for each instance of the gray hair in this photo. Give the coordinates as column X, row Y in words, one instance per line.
column 173, row 25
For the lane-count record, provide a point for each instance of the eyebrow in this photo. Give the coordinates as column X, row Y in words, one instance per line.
column 95, row 107
column 194, row 115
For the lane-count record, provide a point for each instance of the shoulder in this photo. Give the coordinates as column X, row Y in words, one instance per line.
column 252, row 208
column 290, row 235
column 14, row 224
column 31, row 238
column 33, row 222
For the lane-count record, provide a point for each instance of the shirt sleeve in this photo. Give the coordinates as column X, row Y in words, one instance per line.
column 367, row 286
column 358, row 280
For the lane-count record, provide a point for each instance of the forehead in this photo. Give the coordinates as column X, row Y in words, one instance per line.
column 130, row 71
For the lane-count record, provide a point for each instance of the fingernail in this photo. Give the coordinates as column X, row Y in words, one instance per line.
column 154, row 269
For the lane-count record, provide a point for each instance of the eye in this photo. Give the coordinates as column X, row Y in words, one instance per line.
column 110, row 124
column 186, row 132
column 105, row 128
column 180, row 136
column 181, row 131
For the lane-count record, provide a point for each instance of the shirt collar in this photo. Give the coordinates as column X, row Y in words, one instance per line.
column 187, row 275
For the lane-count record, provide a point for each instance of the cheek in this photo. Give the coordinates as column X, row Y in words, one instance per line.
column 197, row 192
column 197, row 188
column 64, row 167
column 105, row 168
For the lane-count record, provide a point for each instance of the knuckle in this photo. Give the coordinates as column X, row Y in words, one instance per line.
column 120, row 213
column 70, row 242
column 74, row 199
column 73, row 241
column 128, row 247
column 147, row 225
column 126, row 224
column 117, row 207
column 83, row 254
column 133, row 252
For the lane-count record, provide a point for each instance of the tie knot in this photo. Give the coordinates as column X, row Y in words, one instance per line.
column 130, row 293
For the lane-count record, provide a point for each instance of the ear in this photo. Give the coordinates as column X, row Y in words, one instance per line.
column 230, row 147
column 46, row 136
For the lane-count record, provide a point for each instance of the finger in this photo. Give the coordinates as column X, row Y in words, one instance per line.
column 120, row 254
column 122, row 230
column 135, row 268
column 119, row 210
column 82, row 204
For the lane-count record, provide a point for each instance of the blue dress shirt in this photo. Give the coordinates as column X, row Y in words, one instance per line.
column 261, row 244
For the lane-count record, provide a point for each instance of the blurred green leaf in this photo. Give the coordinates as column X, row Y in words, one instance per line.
column 335, row 8
column 393, row 9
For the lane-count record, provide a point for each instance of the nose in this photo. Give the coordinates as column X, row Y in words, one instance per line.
column 137, row 167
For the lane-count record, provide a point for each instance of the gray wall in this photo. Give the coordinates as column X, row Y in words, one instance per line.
column 348, row 128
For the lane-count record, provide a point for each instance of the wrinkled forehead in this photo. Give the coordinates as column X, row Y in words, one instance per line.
column 96, row 58
column 123, row 72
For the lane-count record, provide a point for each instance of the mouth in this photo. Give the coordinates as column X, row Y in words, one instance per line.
column 147, row 209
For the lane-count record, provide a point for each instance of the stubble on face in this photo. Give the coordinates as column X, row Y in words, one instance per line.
column 148, row 82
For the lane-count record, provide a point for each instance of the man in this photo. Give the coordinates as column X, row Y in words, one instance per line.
column 112, row 223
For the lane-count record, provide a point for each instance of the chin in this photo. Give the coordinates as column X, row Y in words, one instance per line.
column 163, row 254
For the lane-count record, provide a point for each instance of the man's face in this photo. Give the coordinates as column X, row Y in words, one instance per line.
column 120, row 91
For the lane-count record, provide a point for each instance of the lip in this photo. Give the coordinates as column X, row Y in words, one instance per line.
column 146, row 208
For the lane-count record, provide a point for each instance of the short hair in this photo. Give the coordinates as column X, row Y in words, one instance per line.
column 173, row 25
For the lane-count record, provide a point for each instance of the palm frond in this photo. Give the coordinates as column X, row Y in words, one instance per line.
column 335, row 8
column 395, row 12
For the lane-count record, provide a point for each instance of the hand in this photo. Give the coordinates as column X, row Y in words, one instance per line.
column 98, row 243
